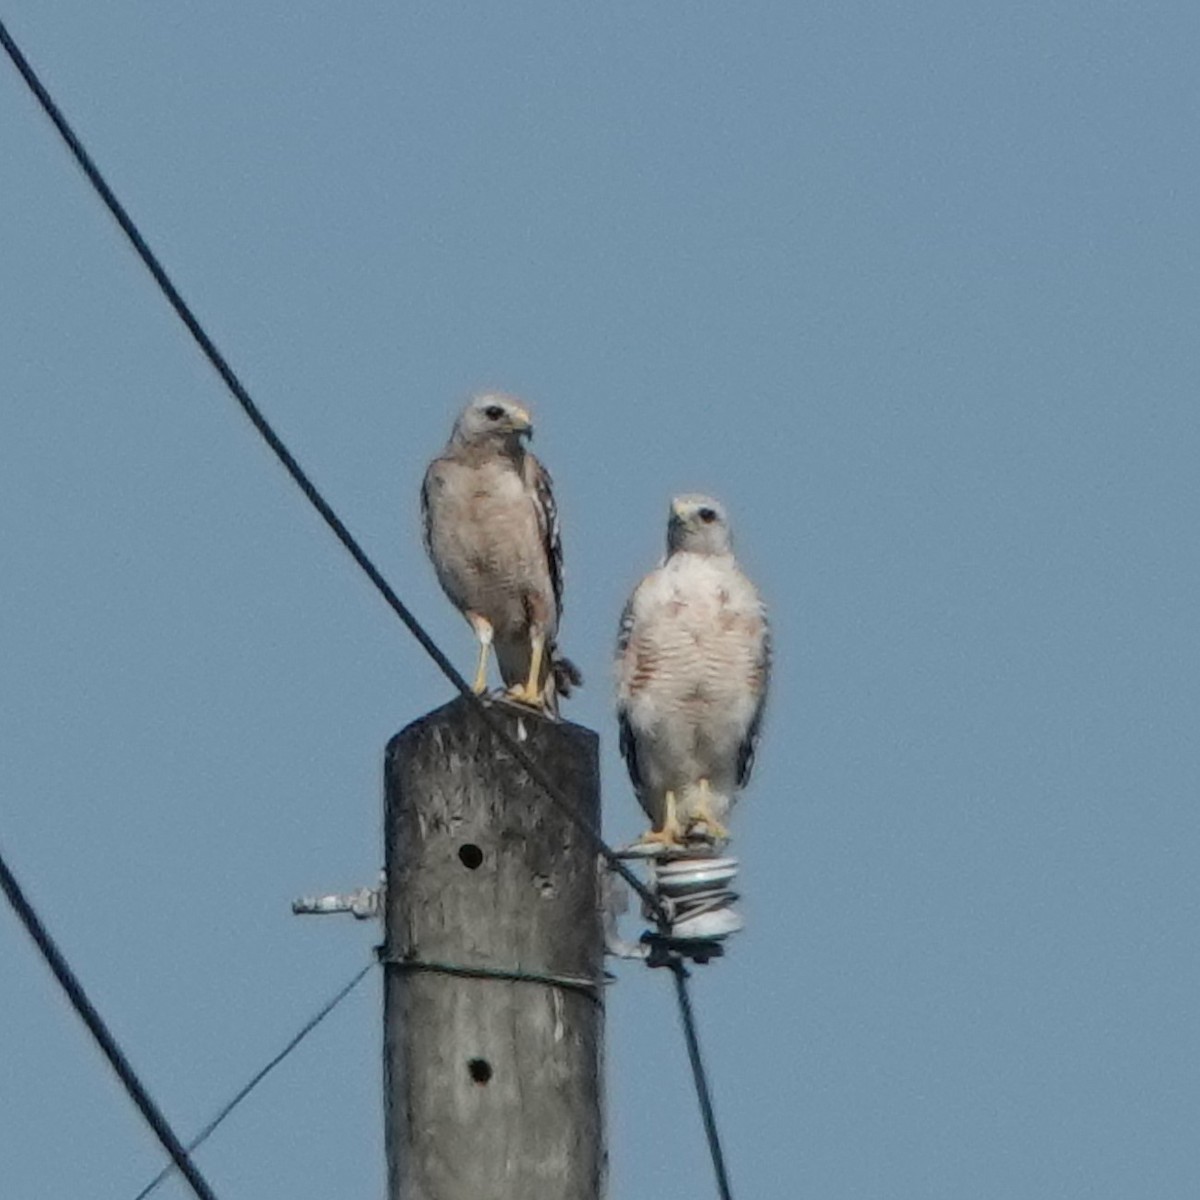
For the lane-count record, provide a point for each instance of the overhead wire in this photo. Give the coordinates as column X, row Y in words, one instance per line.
column 700, row 1079
column 360, row 556
column 259, row 1076
column 69, row 982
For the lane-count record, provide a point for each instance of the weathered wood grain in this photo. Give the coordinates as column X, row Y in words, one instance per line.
column 492, row 1087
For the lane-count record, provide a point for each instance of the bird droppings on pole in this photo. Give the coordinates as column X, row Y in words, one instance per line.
column 493, row 959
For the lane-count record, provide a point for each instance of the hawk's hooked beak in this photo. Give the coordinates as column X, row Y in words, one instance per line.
column 680, row 510
column 522, row 423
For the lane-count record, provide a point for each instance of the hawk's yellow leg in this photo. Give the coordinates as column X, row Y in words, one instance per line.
column 483, row 631
column 529, row 692
column 702, row 811
column 670, row 833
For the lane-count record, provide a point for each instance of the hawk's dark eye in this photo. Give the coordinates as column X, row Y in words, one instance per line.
column 707, row 515
column 493, row 412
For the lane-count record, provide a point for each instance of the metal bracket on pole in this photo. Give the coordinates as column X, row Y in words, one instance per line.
column 362, row 904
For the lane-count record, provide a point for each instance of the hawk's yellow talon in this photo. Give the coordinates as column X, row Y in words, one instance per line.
column 522, row 694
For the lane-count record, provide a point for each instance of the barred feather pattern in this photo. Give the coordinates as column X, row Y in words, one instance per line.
column 693, row 669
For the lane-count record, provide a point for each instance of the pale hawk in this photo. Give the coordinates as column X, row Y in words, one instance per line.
column 693, row 661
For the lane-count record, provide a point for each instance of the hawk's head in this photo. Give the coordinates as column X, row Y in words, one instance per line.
column 492, row 416
column 698, row 524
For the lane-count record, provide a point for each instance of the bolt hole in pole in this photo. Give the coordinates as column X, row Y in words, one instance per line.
column 480, row 1070
column 470, row 856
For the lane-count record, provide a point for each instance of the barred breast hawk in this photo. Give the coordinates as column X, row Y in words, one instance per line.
column 491, row 529
column 693, row 663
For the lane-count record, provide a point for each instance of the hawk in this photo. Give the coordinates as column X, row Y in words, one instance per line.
column 693, row 662
column 491, row 530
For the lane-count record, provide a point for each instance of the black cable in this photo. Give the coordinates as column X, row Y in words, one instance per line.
column 259, row 1076
column 593, row 989
column 293, row 468
column 107, row 1043
column 700, row 1078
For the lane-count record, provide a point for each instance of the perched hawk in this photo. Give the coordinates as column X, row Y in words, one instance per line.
column 491, row 529
column 693, row 659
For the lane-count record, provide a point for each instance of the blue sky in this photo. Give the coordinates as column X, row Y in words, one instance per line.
column 912, row 288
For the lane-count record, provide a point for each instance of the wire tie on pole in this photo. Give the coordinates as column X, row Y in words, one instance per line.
column 592, row 988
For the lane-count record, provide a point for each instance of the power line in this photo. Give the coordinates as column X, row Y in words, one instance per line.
column 700, row 1079
column 108, row 1044
column 259, row 1076
column 343, row 534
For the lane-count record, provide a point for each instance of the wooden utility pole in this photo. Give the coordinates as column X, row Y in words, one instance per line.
column 493, row 957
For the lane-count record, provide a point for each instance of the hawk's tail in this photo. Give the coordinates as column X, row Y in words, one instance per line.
column 567, row 675
column 560, row 677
